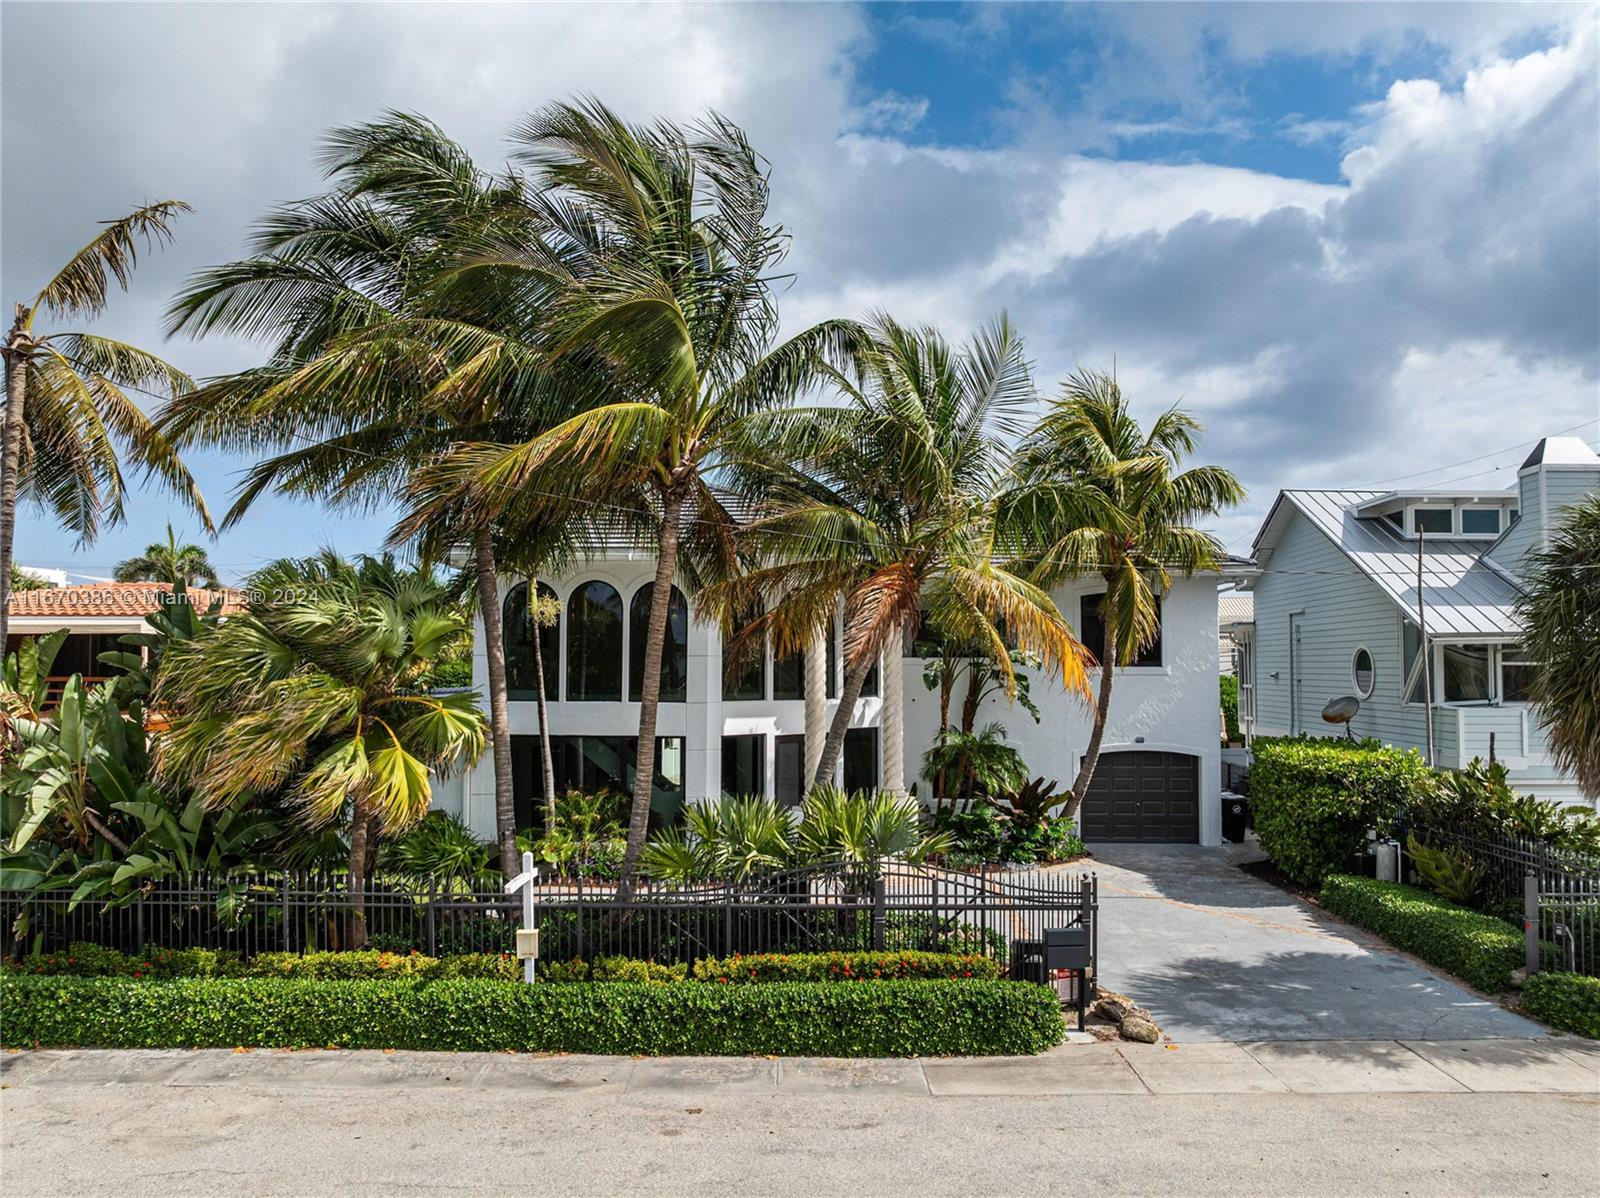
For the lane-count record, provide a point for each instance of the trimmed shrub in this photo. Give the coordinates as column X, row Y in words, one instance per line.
column 86, row 960
column 1479, row 949
column 873, row 1019
column 1565, row 1000
column 844, row 967
column 342, row 965
column 610, row 969
column 1229, row 691
column 1314, row 799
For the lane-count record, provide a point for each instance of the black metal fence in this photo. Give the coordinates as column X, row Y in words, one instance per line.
column 881, row 905
column 1553, row 893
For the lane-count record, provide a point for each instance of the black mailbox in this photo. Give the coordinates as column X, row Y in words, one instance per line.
column 1066, row 948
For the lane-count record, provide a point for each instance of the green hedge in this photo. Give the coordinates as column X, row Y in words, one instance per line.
column 844, row 967
column 1314, row 799
column 872, row 1019
column 1479, row 949
column 1228, row 687
column 1565, row 1000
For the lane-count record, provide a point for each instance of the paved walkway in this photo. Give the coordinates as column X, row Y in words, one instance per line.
column 1218, row 955
column 1549, row 1066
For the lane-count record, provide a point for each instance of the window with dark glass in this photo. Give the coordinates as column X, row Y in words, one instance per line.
column 744, row 765
column 861, row 759
column 1092, row 632
column 674, row 648
column 1516, row 674
column 1480, row 521
column 517, row 628
column 744, row 679
column 594, row 643
column 789, row 676
column 1433, row 521
column 1466, row 673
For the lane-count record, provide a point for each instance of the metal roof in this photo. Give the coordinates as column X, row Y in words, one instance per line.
column 1463, row 595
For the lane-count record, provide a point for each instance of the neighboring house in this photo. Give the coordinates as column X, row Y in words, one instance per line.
column 95, row 616
column 1235, row 611
column 1336, row 613
column 1158, row 777
column 45, row 574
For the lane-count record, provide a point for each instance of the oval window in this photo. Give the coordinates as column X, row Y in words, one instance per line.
column 1361, row 673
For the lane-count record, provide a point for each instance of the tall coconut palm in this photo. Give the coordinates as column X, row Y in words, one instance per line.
column 314, row 699
column 68, row 420
column 1094, row 494
column 185, row 564
column 373, row 369
column 1560, row 613
column 883, row 504
column 658, row 251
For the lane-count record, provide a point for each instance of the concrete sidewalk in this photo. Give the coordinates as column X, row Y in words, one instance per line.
column 1550, row 1066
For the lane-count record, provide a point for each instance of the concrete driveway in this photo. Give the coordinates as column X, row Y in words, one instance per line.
column 1218, row 955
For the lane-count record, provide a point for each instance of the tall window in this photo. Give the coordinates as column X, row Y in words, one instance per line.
column 518, row 630
column 861, row 759
column 1465, row 670
column 594, row 643
column 1093, row 633
column 1516, row 674
column 789, row 676
column 744, row 765
column 748, row 681
column 674, row 649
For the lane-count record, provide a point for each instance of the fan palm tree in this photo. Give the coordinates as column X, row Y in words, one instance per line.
column 1096, row 494
column 1560, row 613
column 373, row 370
column 313, row 699
column 656, row 249
column 68, row 420
column 883, row 505
column 170, row 562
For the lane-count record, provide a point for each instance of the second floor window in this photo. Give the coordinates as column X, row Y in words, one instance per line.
column 1092, row 632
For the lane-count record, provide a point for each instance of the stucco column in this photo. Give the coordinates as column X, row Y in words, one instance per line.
column 816, row 673
column 702, row 773
column 893, row 721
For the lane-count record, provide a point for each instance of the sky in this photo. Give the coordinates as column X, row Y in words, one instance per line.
column 1361, row 242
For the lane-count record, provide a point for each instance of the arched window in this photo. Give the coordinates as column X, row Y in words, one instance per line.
column 594, row 643
column 674, row 648
column 518, row 631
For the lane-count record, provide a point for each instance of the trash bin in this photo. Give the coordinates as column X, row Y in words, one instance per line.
column 1027, row 961
column 1235, row 817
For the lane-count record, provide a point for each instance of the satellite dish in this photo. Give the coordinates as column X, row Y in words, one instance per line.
column 1341, row 711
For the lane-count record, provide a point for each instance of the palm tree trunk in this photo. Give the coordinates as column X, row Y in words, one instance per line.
column 855, row 677
column 650, row 691
column 1091, row 756
column 816, row 701
column 894, row 716
column 10, row 461
column 494, row 647
column 360, row 835
column 549, row 770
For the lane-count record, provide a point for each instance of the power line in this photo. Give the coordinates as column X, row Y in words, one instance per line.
column 1468, row 461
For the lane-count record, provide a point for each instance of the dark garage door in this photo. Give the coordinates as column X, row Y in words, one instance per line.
column 1148, row 797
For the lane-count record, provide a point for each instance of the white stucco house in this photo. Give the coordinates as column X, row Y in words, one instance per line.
column 1158, row 778
column 1337, row 613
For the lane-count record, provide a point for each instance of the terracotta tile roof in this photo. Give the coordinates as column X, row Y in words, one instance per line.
column 111, row 599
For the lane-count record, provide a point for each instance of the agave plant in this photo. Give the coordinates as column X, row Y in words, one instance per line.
column 865, row 826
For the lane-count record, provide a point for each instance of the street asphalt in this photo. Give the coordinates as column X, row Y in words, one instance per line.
column 1217, row 954
column 1446, row 1118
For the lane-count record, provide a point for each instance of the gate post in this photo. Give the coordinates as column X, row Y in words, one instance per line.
column 1530, row 922
column 879, row 914
column 433, row 925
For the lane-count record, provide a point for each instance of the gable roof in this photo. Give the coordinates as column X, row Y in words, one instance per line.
column 112, row 600
column 1464, row 596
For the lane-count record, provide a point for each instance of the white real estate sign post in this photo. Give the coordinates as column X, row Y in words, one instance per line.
column 528, row 933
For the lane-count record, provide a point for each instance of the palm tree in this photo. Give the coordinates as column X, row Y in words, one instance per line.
column 1560, row 615
column 314, row 699
column 67, row 414
column 1095, row 494
column 883, row 505
column 169, row 562
column 374, row 370
column 657, row 253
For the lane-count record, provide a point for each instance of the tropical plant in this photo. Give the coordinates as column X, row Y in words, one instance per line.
column 21, row 581
column 947, row 666
column 440, row 847
column 1560, row 613
column 311, row 698
column 1449, row 872
column 1094, row 494
column 1035, row 801
column 865, row 826
column 987, row 765
column 168, row 562
column 584, row 836
column 1479, row 799
column 373, row 369
column 655, row 248
column 730, row 839
column 68, row 418
column 882, row 504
